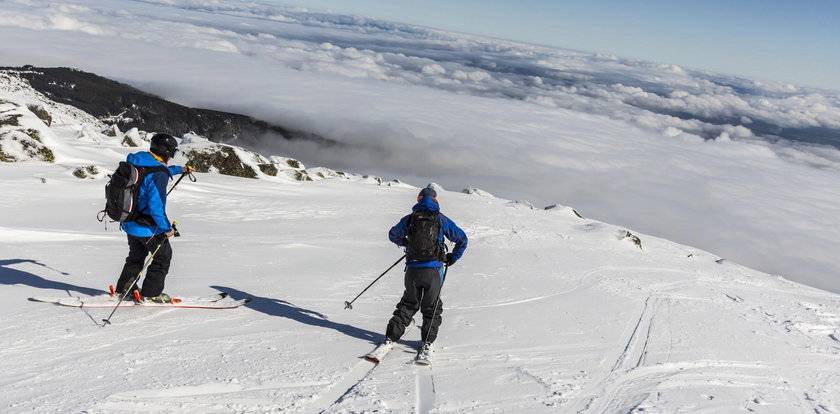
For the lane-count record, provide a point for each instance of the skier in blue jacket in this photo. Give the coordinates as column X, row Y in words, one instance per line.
column 422, row 234
column 153, row 228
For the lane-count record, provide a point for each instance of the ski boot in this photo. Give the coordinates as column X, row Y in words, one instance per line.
column 162, row 298
column 424, row 357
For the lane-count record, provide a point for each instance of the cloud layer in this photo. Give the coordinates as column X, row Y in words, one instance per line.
column 740, row 167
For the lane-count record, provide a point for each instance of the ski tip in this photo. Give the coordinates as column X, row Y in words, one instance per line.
column 371, row 359
column 422, row 362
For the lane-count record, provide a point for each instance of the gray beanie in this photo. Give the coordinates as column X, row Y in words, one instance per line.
column 427, row 192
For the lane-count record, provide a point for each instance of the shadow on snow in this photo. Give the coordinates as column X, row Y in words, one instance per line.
column 277, row 307
column 9, row 276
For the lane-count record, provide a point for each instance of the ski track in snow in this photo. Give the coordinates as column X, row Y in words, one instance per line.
column 425, row 389
column 337, row 391
column 626, row 386
column 359, row 385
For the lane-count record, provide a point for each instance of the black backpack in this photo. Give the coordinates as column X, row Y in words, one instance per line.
column 121, row 194
column 423, row 237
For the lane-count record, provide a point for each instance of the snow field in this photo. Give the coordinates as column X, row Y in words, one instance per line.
column 547, row 312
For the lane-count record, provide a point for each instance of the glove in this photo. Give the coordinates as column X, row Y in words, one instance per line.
column 449, row 259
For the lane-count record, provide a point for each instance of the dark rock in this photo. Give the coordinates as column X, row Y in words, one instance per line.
column 41, row 113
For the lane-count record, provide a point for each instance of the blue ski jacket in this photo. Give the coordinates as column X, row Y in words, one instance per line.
column 151, row 198
column 448, row 228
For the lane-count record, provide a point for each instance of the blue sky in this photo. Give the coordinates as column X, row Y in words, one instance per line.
column 774, row 40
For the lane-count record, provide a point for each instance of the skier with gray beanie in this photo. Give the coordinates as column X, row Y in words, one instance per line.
column 422, row 234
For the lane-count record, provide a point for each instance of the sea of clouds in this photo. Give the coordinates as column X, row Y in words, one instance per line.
column 744, row 168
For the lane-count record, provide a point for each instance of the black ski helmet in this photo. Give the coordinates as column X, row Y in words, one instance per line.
column 164, row 145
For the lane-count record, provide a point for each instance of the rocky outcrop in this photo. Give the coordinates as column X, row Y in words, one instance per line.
column 20, row 138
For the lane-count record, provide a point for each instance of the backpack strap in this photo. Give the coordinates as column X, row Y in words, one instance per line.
column 146, row 170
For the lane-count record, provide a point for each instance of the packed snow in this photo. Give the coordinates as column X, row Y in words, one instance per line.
column 546, row 312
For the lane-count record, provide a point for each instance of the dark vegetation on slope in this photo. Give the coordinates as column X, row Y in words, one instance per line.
column 127, row 107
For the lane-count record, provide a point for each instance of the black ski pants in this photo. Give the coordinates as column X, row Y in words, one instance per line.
column 422, row 292
column 138, row 249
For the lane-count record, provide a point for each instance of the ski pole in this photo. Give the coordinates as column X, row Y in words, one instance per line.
column 107, row 321
column 349, row 305
column 192, row 178
column 437, row 302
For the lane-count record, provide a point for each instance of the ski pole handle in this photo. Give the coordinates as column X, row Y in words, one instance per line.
column 174, row 227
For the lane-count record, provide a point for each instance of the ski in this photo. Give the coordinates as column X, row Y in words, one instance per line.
column 382, row 349
column 423, row 361
column 220, row 300
column 379, row 352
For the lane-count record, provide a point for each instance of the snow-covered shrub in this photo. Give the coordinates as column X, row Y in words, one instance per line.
column 220, row 158
column 86, row 172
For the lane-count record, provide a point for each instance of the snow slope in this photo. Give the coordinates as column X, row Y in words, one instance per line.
column 547, row 312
